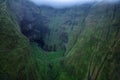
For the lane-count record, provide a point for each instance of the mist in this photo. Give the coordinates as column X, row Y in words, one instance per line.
column 65, row 3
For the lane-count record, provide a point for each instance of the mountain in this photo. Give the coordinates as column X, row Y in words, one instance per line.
column 44, row 43
column 16, row 62
column 95, row 54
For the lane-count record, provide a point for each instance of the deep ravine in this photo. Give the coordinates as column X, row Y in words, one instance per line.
column 44, row 43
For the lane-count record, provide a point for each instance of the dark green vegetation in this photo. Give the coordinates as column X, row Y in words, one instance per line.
column 42, row 43
column 15, row 57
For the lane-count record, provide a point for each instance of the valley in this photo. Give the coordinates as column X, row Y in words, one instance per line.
column 45, row 43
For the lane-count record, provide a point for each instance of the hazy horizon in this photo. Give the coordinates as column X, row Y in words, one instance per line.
column 64, row 3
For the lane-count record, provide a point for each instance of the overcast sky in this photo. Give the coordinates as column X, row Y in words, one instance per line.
column 63, row 3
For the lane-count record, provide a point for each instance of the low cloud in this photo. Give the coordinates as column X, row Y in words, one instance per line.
column 64, row 3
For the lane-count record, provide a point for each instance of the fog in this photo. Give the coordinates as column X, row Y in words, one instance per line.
column 65, row 3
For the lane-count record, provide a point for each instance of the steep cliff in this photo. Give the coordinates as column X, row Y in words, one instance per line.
column 15, row 55
column 95, row 54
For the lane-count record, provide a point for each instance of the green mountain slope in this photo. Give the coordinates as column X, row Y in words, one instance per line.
column 15, row 56
column 95, row 55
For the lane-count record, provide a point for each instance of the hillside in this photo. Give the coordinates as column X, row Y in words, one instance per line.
column 15, row 55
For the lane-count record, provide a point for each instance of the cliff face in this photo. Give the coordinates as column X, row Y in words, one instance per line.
column 47, row 26
column 88, row 34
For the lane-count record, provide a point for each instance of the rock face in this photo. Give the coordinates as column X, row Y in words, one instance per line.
column 89, row 34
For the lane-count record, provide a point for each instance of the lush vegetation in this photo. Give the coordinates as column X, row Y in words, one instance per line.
column 15, row 58
column 43, row 43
